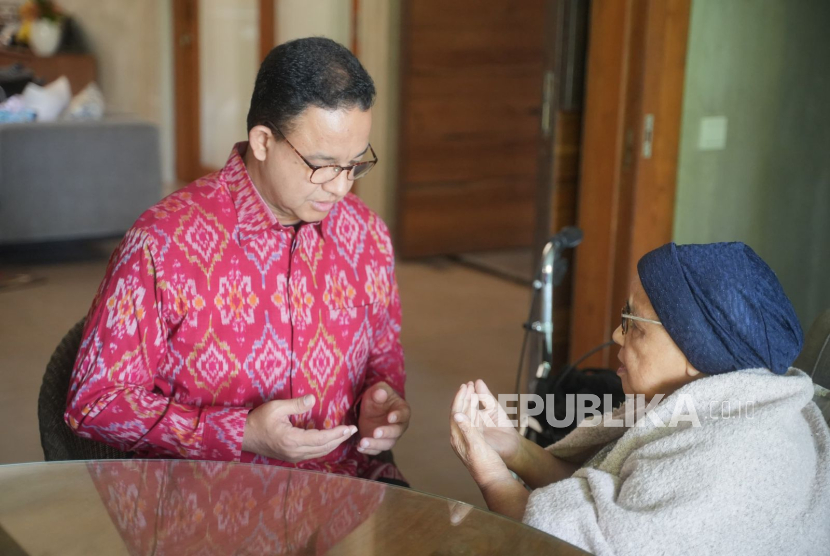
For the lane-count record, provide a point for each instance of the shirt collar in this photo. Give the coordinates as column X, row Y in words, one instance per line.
column 253, row 215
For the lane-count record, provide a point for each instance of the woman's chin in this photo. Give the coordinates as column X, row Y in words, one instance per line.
column 624, row 379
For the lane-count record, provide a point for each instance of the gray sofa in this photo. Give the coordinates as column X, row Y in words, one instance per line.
column 76, row 180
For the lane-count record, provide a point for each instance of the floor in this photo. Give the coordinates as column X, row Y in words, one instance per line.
column 459, row 324
column 517, row 264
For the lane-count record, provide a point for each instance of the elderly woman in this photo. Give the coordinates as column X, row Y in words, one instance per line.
column 747, row 471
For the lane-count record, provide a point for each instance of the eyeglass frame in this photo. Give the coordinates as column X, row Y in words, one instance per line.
column 314, row 168
column 624, row 315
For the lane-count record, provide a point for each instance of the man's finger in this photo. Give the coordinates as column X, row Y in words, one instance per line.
column 367, row 445
column 314, row 438
column 297, row 406
column 380, row 395
column 326, row 449
column 388, row 431
column 400, row 414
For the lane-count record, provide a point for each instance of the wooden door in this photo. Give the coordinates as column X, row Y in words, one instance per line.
column 491, row 116
column 471, row 95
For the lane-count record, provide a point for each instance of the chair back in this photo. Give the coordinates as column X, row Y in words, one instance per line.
column 58, row 440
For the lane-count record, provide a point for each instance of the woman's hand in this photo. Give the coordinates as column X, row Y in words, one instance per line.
column 534, row 465
column 499, row 433
column 467, row 429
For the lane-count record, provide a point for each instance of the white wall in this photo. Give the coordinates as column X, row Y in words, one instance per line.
column 310, row 18
column 228, row 64
column 763, row 65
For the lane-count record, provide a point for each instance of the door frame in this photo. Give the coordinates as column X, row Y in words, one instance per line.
column 636, row 74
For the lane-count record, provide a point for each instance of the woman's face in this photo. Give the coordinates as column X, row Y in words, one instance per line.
column 651, row 361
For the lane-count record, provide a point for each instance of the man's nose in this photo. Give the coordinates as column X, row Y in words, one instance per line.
column 339, row 186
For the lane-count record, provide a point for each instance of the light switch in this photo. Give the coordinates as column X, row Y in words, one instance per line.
column 712, row 133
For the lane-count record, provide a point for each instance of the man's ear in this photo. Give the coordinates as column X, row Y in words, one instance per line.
column 258, row 141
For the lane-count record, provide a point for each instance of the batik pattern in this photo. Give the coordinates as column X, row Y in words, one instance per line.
column 210, row 307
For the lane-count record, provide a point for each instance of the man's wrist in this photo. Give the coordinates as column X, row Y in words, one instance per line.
column 223, row 433
column 251, row 441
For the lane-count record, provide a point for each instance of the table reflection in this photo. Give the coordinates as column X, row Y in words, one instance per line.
column 203, row 508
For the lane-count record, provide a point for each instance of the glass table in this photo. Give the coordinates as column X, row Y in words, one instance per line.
column 188, row 507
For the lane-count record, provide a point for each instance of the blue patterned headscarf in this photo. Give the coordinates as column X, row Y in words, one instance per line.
column 723, row 307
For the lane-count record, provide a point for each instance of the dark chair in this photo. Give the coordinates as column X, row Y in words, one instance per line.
column 815, row 355
column 58, row 440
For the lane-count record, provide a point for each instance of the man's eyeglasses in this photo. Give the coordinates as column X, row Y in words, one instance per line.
column 324, row 174
column 627, row 316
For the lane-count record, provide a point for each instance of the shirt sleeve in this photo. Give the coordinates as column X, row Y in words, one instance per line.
column 385, row 363
column 113, row 397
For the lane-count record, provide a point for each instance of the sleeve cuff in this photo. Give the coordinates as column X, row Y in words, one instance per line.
column 224, row 428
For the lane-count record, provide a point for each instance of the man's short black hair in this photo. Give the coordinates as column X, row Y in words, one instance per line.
column 307, row 72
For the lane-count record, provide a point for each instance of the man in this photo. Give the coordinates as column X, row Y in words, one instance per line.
column 254, row 315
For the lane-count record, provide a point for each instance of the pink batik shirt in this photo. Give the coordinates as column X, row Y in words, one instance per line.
column 210, row 307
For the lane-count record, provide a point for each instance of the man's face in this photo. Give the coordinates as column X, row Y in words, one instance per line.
column 323, row 137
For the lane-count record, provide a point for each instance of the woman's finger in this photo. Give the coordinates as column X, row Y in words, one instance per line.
column 484, row 394
column 458, row 511
column 481, row 388
column 468, row 399
column 463, row 422
column 458, row 401
column 471, row 434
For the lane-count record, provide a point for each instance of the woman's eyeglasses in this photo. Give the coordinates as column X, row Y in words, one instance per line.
column 627, row 316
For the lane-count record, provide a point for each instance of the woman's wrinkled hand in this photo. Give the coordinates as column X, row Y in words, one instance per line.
column 468, row 426
column 499, row 433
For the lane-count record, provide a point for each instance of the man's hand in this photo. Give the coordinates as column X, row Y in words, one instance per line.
column 269, row 432
column 384, row 417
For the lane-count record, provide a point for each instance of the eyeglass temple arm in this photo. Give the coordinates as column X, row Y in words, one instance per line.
column 641, row 319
